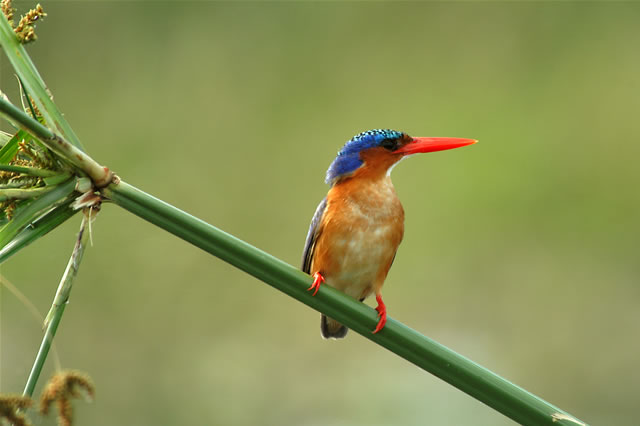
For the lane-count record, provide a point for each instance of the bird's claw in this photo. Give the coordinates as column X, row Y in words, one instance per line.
column 382, row 314
column 317, row 280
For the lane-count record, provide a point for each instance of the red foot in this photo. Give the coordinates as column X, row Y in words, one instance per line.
column 382, row 314
column 317, row 280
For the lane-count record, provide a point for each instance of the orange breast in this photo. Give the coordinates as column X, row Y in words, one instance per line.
column 361, row 229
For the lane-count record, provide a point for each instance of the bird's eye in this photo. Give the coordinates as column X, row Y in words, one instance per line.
column 389, row 144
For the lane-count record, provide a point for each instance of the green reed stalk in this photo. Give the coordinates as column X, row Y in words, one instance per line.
column 475, row 380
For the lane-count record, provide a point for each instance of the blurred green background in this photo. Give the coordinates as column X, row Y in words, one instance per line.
column 520, row 252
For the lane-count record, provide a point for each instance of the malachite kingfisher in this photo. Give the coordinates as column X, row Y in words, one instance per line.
column 358, row 226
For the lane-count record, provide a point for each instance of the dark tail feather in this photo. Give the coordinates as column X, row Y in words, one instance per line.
column 332, row 329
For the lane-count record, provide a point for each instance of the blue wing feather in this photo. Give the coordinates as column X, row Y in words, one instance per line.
column 312, row 236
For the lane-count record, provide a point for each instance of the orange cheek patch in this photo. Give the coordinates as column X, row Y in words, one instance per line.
column 376, row 163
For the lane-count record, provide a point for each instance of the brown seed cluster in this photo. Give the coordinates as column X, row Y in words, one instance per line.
column 7, row 10
column 25, row 30
column 60, row 389
column 11, row 408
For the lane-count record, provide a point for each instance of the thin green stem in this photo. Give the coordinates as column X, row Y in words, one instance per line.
column 455, row 369
column 23, row 194
column 31, row 171
column 37, row 229
column 64, row 289
column 26, row 98
column 34, row 84
column 17, row 117
column 475, row 380
column 28, row 304
column 57, row 308
column 100, row 175
column 34, row 210
column 41, row 357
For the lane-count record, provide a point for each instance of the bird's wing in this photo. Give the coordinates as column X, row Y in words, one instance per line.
column 312, row 236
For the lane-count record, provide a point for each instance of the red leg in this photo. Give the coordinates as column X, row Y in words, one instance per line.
column 317, row 280
column 382, row 313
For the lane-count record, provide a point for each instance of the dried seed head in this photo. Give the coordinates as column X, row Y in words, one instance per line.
column 9, row 208
column 7, row 10
column 60, row 389
column 25, row 29
column 35, row 108
column 10, row 407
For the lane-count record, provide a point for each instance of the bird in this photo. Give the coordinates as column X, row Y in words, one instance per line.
column 357, row 228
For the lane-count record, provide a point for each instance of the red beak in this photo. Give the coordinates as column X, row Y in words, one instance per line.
column 418, row 145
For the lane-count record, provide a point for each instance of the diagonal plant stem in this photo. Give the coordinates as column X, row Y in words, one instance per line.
column 64, row 289
column 475, row 380
column 453, row 368
column 23, row 194
column 31, row 171
column 57, row 308
column 35, row 313
column 39, row 228
column 100, row 175
column 33, row 83
column 38, row 207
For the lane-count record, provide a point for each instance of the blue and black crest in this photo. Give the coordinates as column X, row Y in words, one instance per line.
column 348, row 159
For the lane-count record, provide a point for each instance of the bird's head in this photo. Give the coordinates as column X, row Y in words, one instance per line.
column 374, row 152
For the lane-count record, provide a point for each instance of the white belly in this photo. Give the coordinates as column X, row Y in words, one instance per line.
column 362, row 256
column 361, row 231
